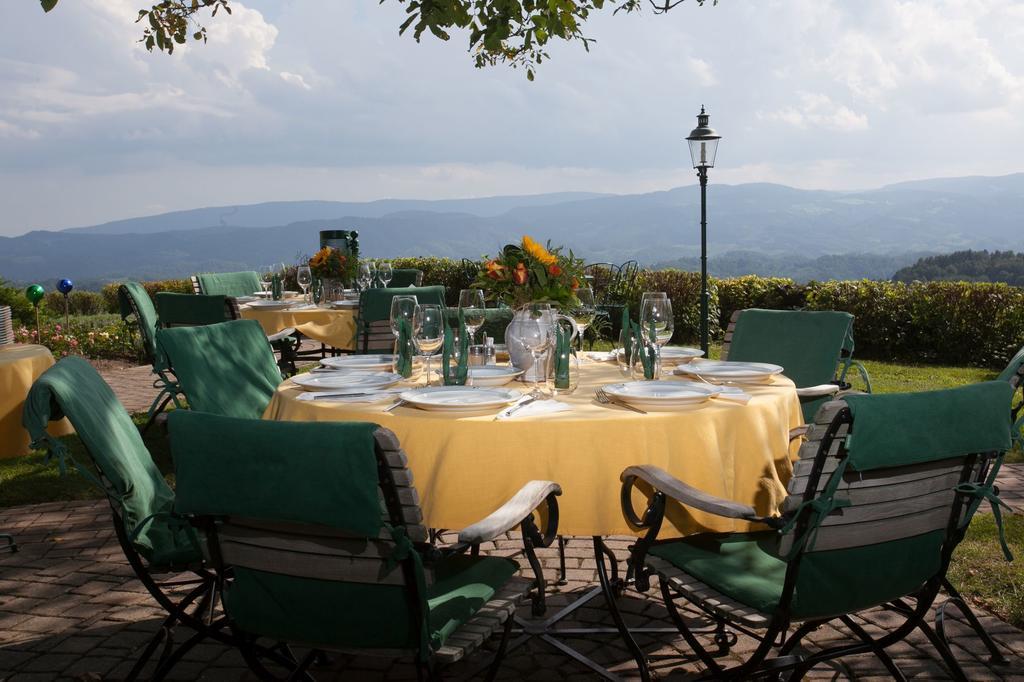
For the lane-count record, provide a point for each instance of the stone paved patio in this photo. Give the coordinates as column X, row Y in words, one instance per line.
column 70, row 608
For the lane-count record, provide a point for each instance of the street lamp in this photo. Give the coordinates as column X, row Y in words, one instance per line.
column 703, row 147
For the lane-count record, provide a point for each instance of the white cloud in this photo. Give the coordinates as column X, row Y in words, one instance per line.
column 818, row 110
column 702, row 71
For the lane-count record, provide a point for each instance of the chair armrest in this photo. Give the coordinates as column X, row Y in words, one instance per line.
column 666, row 483
column 798, row 432
column 283, row 334
column 510, row 514
column 818, row 391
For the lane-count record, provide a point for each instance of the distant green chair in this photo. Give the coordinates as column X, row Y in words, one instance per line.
column 153, row 542
column 186, row 310
column 374, row 321
column 406, row 277
column 1014, row 375
column 225, row 369
column 814, row 348
column 341, row 562
column 881, row 496
column 137, row 309
column 232, row 284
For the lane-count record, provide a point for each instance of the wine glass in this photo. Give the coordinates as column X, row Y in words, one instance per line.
column 366, row 273
column 304, row 277
column 643, row 346
column 429, row 324
column 584, row 311
column 471, row 303
column 385, row 272
column 402, row 307
column 658, row 311
column 266, row 277
column 372, row 269
column 536, row 334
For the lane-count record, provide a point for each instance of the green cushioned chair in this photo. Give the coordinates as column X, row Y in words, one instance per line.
column 374, row 323
column 406, row 277
column 814, row 348
column 154, row 542
column 232, row 284
column 880, row 497
column 317, row 529
column 225, row 368
column 186, row 310
column 137, row 309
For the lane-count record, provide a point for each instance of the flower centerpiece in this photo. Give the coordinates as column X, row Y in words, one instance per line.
column 331, row 263
column 530, row 272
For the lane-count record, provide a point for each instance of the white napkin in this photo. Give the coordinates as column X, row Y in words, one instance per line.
column 536, row 408
column 734, row 394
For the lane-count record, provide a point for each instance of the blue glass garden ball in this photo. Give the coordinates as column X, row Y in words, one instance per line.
column 65, row 286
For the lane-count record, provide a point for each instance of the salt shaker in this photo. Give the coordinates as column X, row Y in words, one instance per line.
column 490, row 352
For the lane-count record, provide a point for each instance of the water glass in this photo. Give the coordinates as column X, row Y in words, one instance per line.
column 385, row 272
column 429, row 324
column 266, row 277
column 471, row 303
column 644, row 345
column 657, row 311
column 536, row 335
column 403, row 307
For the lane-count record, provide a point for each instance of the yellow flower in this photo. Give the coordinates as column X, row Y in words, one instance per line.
column 538, row 252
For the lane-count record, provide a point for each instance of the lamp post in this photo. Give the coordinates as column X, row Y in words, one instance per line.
column 703, row 147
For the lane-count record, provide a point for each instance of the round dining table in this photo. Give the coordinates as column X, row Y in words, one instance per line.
column 20, row 366
column 465, row 466
column 335, row 327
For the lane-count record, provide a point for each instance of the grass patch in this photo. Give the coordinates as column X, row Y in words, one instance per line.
column 981, row 574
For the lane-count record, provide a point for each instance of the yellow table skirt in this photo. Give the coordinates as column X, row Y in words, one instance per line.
column 335, row 328
column 20, row 365
column 464, row 467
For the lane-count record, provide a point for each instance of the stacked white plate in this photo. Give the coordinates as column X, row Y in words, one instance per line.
column 661, row 395
column 730, row 372
column 6, row 325
column 459, row 399
column 492, row 375
column 678, row 355
column 360, row 362
column 344, row 304
column 270, row 305
column 335, row 381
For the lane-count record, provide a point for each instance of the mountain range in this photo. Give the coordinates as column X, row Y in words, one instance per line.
column 758, row 221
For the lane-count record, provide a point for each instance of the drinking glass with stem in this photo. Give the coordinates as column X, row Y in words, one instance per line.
column 429, row 335
column 536, row 334
column 656, row 312
column 365, row 277
column 402, row 307
column 385, row 272
column 471, row 303
column 304, row 278
column 583, row 312
column 266, row 277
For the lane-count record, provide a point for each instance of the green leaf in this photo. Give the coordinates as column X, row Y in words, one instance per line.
column 48, row 4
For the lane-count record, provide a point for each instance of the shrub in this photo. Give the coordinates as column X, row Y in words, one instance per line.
column 109, row 339
column 178, row 286
column 453, row 275
column 21, row 309
column 751, row 291
column 79, row 303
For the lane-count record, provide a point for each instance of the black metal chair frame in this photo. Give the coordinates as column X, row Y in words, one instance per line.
column 775, row 635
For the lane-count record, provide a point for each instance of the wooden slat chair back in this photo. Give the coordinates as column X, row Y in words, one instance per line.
column 326, row 553
column 197, row 288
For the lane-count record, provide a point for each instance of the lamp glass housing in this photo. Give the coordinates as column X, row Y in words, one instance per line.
column 703, row 151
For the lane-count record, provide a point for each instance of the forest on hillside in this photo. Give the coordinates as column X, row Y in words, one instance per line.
column 968, row 266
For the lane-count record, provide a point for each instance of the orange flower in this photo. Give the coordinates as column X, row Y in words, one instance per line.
column 554, row 270
column 519, row 275
column 575, row 284
column 495, row 270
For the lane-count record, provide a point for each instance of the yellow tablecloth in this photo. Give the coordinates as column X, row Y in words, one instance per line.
column 465, row 466
column 20, row 365
column 335, row 328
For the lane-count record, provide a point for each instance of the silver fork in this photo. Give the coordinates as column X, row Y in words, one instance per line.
column 606, row 399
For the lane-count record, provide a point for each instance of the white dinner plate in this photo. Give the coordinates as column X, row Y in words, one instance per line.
column 677, row 355
column 654, row 395
column 725, row 370
column 460, row 398
column 330, row 381
column 493, row 376
column 246, row 299
column 270, row 305
column 344, row 304
column 360, row 362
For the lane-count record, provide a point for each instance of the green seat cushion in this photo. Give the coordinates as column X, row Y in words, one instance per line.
column 375, row 304
column 462, row 585
column 72, row 388
column 355, row 615
column 244, row 283
column 227, row 368
column 1013, row 367
column 190, row 309
column 743, row 566
column 133, row 299
column 405, row 277
column 807, row 344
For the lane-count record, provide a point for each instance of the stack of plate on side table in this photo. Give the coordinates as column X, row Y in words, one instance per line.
column 6, row 327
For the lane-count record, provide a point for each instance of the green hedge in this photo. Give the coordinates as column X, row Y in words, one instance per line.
column 178, row 286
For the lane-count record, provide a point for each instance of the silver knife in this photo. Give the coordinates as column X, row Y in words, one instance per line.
column 522, row 402
column 398, row 403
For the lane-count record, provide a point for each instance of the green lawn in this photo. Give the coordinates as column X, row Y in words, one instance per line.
column 978, row 567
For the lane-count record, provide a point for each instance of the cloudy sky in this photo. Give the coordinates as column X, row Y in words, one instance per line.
column 320, row 99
